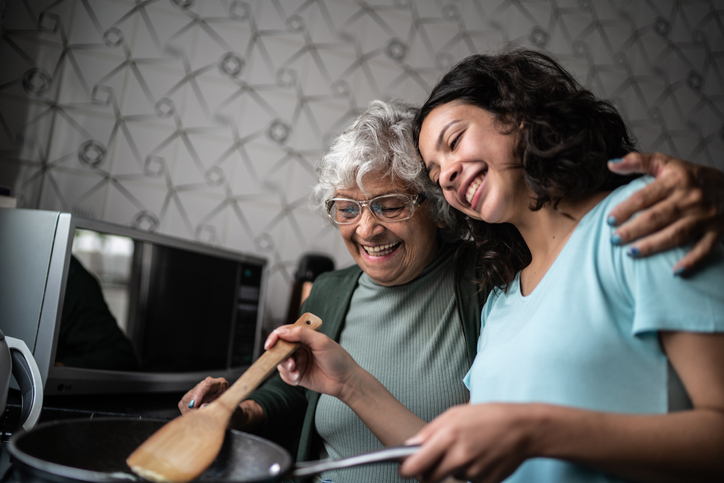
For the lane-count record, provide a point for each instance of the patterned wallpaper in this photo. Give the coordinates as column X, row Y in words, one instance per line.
column 202, row 119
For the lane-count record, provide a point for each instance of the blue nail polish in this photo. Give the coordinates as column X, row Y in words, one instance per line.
column 191, row 404
column 633, row 252
column 611, row 220
column 615, row 160
column 616, row 239
column 679, row 272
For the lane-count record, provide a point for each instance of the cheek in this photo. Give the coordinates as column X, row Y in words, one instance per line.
column 449, row 198
column 346, row 233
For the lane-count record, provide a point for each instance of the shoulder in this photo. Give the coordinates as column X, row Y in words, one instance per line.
column 623, row 192
column 331, row 287
column 339, row 276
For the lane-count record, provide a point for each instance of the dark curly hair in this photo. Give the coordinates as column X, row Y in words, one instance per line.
column 565, row 136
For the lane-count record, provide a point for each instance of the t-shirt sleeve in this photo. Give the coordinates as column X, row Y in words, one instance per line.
column 664, row 301
column 652, row 297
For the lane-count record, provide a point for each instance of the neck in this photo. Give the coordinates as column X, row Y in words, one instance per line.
column 546, row 232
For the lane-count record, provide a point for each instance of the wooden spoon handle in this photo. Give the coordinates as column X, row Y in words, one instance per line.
column 264, row 366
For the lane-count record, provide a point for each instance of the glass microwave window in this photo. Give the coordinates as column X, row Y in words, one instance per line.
column 181, row 310
column 247, row 307
column 109, row 258
column 189, row 310
column 93, row 321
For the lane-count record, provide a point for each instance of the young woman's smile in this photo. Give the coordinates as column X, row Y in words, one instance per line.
column 474, row 163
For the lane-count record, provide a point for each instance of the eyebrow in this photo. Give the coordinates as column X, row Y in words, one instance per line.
column 348, row 197
column 442, row 133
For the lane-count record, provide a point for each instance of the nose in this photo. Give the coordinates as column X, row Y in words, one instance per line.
column 367, row 225
column 450, row 174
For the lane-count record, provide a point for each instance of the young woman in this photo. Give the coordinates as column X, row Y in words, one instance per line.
column 591, row 366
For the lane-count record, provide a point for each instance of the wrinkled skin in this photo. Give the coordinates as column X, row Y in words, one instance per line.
column 685, row 203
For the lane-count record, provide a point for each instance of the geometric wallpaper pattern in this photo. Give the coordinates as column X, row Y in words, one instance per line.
column 202, row 119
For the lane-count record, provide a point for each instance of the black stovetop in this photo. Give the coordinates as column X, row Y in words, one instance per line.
column 55, row 408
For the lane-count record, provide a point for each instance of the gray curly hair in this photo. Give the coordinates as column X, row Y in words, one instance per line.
column 378, row 141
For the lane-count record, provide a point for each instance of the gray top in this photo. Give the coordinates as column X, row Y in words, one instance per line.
column 419, row 355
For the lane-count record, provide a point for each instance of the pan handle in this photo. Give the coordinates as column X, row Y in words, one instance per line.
column 388, row 454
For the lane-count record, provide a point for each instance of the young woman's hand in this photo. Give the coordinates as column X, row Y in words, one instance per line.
column 320, row 364
column 685, row 203
column 479, row 442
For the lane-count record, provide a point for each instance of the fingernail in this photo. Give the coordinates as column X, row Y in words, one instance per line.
column 633, row 252
column 611, row 220
column 191, row 404
column 281, row 330
column 266, row 345
column 615, row 160
column 413, row 441
column 203, row 406
column 616, row 239
column 679, row 272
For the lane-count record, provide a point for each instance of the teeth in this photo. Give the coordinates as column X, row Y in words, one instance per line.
column 472, row 188
column 380, row 250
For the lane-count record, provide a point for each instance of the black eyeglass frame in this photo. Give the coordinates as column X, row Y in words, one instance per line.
column 414, row 200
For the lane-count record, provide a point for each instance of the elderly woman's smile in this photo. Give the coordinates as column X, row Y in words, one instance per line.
column 380, row 250
column 391, row 253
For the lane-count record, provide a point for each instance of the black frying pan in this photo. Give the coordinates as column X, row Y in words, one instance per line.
column 95, row 451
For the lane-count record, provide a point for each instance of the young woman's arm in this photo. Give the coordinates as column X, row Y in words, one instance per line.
column 487, row 442
column 322, row 365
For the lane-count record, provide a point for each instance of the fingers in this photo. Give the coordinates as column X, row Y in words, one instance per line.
column 291, row 333
column 439, row 460
column 672, row 222
column 203, row 393
column 646, row 163
column 288, row 371
column 684, row 204
column 696, row 256
column 426, row 463
column 671, row 174
column 423, row 463
column 282, row 332
column 638, row 201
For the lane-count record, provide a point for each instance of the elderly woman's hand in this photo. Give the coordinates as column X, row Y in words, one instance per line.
column 685, row 203
column 247, row 417
column 320, row 364
column 203, row 393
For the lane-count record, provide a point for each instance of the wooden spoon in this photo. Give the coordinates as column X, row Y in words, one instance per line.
column 182, row 449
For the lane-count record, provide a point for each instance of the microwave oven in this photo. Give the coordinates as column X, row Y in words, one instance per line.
column 187, row 310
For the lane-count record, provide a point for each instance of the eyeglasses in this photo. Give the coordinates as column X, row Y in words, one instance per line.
column 387, row 208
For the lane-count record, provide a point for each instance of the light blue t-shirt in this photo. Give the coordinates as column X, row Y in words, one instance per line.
column 587, row 335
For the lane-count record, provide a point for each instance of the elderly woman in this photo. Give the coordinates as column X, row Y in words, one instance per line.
column 402, row 298
column 402, row 313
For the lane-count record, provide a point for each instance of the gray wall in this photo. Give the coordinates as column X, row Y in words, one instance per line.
column 202, row 119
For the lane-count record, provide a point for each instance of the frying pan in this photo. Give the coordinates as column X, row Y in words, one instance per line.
column 95, row 451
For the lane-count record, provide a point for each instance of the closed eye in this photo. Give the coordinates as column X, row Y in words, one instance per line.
column 454, row 141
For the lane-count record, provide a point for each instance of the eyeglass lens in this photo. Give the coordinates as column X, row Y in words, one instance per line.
column 385, row 208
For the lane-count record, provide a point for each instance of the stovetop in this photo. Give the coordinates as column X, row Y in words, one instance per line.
column 152, row 406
